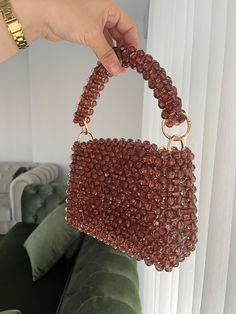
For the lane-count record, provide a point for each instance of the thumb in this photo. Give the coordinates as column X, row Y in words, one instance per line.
column 106, row 54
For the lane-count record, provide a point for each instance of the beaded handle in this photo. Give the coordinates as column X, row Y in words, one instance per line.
column 151, row 70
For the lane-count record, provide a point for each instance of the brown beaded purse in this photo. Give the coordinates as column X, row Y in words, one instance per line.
column 131, row 194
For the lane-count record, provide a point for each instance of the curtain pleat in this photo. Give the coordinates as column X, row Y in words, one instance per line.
column 215, row 72
column 230, row 297
column 194, row 40
column 223, row 188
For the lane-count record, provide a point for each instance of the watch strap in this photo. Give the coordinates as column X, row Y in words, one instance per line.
column 13, row 25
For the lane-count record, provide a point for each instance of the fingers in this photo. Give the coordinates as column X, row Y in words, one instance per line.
column 121, row 27
column 118, row 26
column 106, row 54
column 111, row 43
column 117, row 37
column 108, row 38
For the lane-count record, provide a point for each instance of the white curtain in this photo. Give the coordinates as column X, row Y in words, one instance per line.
column 195, row 41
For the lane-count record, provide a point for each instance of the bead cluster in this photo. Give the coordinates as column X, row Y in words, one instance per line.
column 151, row 70
column 135, row 197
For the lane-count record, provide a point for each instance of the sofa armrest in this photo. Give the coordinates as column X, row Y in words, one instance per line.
column 44, row 173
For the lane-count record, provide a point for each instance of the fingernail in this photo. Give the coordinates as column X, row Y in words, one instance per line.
column 115, row 68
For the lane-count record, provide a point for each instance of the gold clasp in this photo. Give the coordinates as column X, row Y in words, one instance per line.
column 176, row 137
column 85, row 131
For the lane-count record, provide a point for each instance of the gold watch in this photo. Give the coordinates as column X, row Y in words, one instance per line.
column 14, row 26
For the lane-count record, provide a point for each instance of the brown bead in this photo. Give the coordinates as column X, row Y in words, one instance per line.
column 158, row 92
column 146, row 75
column 147, row 65
column 140, row 68
column 151, row 84
column 155, row 66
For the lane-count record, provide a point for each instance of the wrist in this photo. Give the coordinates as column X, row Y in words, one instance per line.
column 28, row 14
column 6, row 41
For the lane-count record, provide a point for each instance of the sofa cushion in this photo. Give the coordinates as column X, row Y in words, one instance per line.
column 74, row 247
column 49, row 241
column 5, row 207
column 103, row 281
column 17, row 290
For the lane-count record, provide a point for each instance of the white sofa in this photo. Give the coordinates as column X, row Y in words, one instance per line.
column 11, row 190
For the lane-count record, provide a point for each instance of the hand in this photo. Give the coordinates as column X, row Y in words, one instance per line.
column 94, row 23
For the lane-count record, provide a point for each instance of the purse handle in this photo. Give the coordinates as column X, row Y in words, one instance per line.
column 163, row 90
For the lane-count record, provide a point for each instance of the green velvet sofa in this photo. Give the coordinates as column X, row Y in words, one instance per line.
column 96, row 280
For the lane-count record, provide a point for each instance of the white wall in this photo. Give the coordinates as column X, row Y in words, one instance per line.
column 39, row 91
column 15, row 118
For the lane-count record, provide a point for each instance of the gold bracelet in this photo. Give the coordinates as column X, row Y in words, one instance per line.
column 14, row 27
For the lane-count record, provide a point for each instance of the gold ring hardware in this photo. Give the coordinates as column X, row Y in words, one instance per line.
column 176, row 137
column 85, row 131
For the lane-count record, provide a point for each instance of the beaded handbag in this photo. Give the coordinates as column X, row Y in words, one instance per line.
column 131, row 194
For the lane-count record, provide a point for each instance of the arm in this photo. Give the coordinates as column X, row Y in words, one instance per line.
column 7, row 46
column 92, row 23
column 32, row 28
